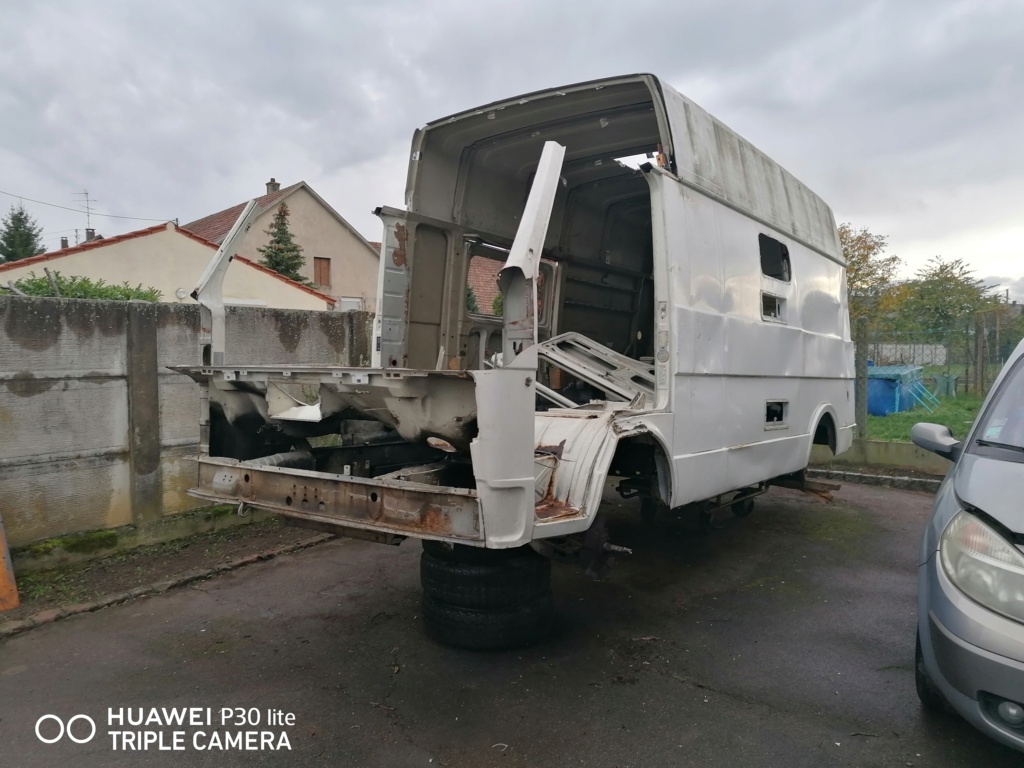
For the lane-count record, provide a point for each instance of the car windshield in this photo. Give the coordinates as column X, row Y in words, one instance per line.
column 1003, row 422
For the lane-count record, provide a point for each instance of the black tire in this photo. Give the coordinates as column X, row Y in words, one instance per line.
column 500, row 585
column 460, row 553
column 929, row 694
column 489, row 630
column 743, row 506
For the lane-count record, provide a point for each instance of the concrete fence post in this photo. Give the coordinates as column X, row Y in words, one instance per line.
column 144, row 415
column 860, row 393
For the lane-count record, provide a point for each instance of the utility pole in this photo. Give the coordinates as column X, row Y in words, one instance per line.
column 979, row 342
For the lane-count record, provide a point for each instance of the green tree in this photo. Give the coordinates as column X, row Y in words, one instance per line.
column 498, row 305
column 944, row 296
column 471, row 305
column 282, row 254
column 76, row 287
column 869, row 271
column 20, row 236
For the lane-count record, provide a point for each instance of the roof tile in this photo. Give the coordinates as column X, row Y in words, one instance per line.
column 216, row 226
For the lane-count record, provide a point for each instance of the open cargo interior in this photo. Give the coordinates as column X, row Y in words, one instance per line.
column 468, row 183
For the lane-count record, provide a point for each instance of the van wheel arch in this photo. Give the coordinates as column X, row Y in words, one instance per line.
column 643, row 455
column 825, row 432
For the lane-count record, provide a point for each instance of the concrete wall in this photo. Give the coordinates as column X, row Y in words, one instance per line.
column 95, row 430
column 883, row 454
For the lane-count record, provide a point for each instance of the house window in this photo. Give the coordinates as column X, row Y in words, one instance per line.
column 322, row 272
column 350, row 304
column 774, row 258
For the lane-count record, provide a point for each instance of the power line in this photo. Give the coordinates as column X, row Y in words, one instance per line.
column 78, row 210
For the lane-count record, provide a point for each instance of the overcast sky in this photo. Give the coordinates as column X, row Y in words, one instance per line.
column 907, row 116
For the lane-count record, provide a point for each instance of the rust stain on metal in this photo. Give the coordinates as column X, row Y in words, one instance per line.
column 550, row 509
column 433, row 519
column 552, row 450
column 343, row 503
column 398, row 255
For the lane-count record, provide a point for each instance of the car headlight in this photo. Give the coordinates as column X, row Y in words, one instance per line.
column 984, row 565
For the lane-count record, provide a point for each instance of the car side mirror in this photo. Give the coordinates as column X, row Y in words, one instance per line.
column 937, row 439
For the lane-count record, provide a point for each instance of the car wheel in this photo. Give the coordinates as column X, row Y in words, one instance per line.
column 929, row 694
column 488, row 630
column 501, row 584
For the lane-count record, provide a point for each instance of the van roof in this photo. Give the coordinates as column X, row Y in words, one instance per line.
column 702, row 151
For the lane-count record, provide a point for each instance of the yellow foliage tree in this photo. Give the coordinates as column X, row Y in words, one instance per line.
column 870, row 272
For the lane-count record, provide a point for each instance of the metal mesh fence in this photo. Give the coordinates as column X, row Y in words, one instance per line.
column 964, row 360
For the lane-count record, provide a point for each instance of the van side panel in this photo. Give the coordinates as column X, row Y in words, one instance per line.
column 747, row 387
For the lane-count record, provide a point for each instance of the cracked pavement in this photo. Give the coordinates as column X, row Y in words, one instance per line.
column 785, row 638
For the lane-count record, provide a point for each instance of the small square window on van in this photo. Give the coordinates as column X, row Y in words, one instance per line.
column 773, row 308
column 775, row 413
column 774, row 258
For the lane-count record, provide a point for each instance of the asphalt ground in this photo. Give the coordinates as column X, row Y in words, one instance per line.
column 781, row 639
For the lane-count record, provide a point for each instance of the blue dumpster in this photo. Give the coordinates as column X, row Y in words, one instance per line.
column 890, row 388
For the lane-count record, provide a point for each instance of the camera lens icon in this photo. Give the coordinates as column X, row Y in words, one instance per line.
column 63, row 729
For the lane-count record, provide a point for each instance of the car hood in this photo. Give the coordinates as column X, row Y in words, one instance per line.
column 994, row 486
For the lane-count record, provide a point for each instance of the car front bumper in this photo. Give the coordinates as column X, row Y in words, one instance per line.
column 974, row 656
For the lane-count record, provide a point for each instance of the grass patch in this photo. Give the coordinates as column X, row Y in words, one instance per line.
column 123, row 570
column 90, row 541
column 956, row 413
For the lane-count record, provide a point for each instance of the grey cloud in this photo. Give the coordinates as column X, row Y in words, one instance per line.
column 184, row 109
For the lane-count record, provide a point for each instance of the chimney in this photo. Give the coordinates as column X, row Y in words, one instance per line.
column 273, row 185
column 90, row 235
column 63, row 243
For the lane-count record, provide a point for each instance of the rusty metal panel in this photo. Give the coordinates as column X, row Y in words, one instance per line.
column 392, row 292
column 389, row 506
column 574, row 449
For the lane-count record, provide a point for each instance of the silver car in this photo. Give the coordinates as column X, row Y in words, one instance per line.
column 970, row 631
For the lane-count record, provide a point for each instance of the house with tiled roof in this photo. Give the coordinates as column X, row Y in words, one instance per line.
column 482, row 279
column 170, row 259
column 339, row 261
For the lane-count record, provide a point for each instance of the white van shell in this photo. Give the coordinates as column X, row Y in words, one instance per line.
column 734, row 396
